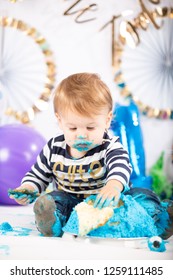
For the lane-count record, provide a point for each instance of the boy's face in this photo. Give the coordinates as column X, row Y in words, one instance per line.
column 83, row 133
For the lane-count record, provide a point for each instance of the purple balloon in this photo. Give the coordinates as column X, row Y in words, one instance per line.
column 19, row 147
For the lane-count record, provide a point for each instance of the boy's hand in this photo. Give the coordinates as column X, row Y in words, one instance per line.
column 24, row 194
column 110, row 194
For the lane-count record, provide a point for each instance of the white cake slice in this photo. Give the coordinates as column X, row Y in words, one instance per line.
column 90, row 218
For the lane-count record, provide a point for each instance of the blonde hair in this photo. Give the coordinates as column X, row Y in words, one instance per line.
column 84, row 93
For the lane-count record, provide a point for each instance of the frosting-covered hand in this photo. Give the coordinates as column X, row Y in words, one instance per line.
column 24, row 194
column 109, row 195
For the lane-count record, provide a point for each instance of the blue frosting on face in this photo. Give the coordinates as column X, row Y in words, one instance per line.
column 82, row 145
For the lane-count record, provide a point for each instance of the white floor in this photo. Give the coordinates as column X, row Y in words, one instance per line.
column 15, row 245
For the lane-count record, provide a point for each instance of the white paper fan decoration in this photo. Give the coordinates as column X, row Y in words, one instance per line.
column 3, row 102
column 147, row 70
column 27, row 70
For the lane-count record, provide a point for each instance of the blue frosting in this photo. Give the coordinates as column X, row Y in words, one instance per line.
column 82, row 145
column 130, row 220
column 57, row 228
column 157, row 244
column 6, row 228
column 31, row 196
column 72, row 225
column 5, row 249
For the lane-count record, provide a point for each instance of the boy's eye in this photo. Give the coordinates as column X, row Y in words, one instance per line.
column 90, row 128
column 72, row 128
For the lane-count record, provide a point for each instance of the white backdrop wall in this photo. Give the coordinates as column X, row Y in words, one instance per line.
column 82, row 48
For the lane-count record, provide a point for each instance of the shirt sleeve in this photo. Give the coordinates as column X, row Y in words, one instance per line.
column 117, row 162
column 40, row 174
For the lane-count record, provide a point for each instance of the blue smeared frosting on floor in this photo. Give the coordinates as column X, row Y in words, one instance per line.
column 7, row 229
column 5, row 249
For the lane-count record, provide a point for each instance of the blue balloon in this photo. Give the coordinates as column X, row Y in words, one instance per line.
column 126, row 125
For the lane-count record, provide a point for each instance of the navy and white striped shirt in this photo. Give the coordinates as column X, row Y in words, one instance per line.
column 86, row 175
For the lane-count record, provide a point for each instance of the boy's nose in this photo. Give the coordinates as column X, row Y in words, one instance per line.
column 82, row 136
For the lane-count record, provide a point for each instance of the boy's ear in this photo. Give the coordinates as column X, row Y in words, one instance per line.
column 59, row 120
column 109, row 119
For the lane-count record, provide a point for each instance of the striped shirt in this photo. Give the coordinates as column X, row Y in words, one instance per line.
column 85, row 175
